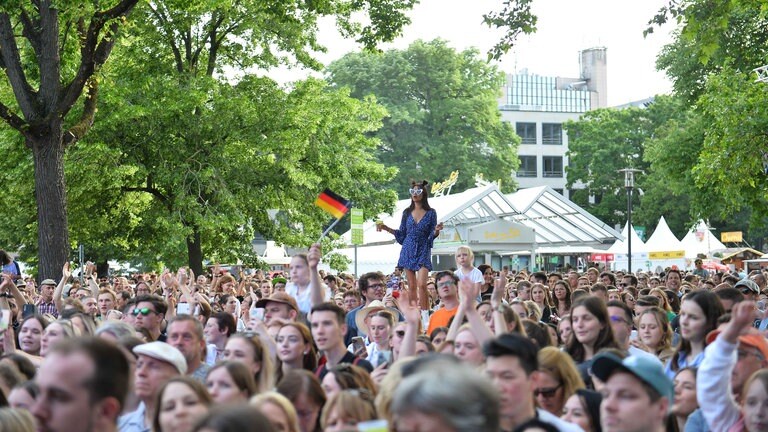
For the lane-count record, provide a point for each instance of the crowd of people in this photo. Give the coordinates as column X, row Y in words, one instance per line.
column 476, row 349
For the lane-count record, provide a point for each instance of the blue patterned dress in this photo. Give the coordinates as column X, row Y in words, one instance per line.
column 417, row 239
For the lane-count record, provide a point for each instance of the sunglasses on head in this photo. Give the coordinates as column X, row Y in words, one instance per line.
column 142, row 311
column 415, row 191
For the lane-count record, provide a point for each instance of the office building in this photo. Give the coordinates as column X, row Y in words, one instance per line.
column 537, row 106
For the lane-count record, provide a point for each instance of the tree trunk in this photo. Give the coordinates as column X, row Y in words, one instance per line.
column 195, row 251
column 51, row 197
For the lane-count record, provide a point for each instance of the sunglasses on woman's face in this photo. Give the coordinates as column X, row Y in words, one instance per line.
column 415, row 191
column 546, row 392
column 143, row 311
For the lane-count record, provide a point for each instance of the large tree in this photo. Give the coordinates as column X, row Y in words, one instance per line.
column 606, row 140
column 443, row 112
column 214, row 154
column 50, row 52
column 716, row 155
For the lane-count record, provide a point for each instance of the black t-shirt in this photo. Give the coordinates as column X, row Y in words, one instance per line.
column 348, row 358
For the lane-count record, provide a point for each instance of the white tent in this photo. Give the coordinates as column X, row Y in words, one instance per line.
column 620, row 251
column 664, row 249
column 700, row 240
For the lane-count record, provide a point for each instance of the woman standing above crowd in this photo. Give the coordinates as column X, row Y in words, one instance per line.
column 418, row 230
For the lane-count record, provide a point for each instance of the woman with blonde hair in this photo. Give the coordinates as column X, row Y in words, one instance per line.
column 558, row 380
column 251, row 351
column 663, row 302
column 16, row 420
column 278, row 409
column 346, row 409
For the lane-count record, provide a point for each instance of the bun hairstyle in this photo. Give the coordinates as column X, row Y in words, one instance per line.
column 424, row 194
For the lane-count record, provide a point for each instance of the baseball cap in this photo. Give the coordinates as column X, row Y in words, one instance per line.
column 279, row 297
column 646, row 370
column 752, row 339
column 48, row 282
column 747, row 284
column 163, row 352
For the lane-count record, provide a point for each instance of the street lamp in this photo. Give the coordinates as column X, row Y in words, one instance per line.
column 629, row 185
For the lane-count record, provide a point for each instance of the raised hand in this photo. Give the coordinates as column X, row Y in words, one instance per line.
column 470, row 291
column 499, row 285
column 6, row 283
column 181, row 276
column 410, row 308
column 66, row 272
column 314, row 255
column 742, row 316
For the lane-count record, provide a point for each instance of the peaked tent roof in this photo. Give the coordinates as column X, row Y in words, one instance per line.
column 558, row 220
column 700, row 240
column 662, row 239
column 620, row 246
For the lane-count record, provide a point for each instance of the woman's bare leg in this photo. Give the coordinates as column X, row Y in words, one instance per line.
column 422, row 288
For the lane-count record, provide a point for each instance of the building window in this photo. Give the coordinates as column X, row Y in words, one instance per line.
column 553, row 166
column 527, row 166
column 560, row 191
column 552, row 134
column 527, row 131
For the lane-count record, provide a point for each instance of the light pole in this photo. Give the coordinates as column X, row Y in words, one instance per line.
column 629, row 184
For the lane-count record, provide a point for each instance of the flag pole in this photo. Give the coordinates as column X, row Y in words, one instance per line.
column 327, row 230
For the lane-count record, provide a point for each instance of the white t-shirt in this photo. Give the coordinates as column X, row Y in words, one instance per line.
column 304, row 300
column 475, row 275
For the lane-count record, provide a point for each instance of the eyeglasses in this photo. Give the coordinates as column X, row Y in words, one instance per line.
column 143, row 311
column 616, row 318
column 546, row 392
column 446, row 284
column 376, row 286
column 744, row 354
column 623, row 285
column 415, row 191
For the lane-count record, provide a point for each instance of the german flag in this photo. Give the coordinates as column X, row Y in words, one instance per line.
column 332, row 203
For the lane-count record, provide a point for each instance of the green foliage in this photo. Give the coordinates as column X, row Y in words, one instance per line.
column 607, row 140
column 712, row 157
column 516, row 17
column 442, row 112
column 213, row 158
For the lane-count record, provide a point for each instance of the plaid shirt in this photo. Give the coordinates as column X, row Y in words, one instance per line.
column 47, row 308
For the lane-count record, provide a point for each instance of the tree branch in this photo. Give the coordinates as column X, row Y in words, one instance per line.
column 9, row 51
column 29, row 30
column 93, row 53
column 48, row 57
column 164, row 25
column 14, row 121
column 79, row 129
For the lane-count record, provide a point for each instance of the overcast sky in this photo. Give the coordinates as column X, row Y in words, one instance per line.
column 564, row 28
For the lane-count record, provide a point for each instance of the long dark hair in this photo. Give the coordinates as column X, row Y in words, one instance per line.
column 605, row 339
column 712, row 307
column 567, row 300
column 424, row 194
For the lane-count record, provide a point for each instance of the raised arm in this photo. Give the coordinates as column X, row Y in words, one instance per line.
column 89, row 268
column 57, row 293
column 315, row 286
column 499, row 322
column 469, row 303
column 410, row 309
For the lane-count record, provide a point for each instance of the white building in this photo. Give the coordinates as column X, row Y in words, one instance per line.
column 538, row 106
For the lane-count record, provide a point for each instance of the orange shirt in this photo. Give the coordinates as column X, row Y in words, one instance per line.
column 440, row 318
